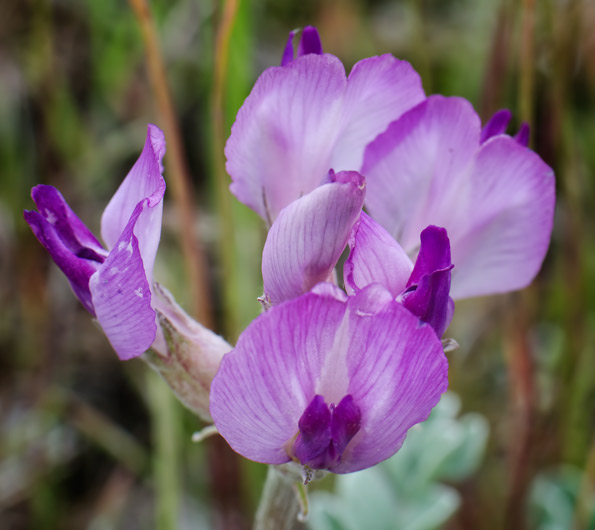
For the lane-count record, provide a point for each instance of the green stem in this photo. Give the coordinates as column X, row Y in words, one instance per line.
column 166, row 478
column 279, row 505
column 222, row 195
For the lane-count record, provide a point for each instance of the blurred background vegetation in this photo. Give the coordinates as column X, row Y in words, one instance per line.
column 89, row 442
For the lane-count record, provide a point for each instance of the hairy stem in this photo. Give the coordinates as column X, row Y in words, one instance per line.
column 279, row 504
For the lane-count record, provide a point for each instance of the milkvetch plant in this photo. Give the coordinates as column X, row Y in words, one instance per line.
column 347, row 355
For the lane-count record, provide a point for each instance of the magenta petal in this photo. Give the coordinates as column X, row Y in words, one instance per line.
column 398, row 389
column 304, row 118
column 122, row 296
column 495, row 200
column 375, row 257
column 264, row 385
column 413, row 168
column 143, row 182
column 329, row 290
column 379, row 90
column 371, row 299
column 497, row 124
column 281, row 143
column 78, row 270
column 393, row 369
column 307, row 239
column 510, row 212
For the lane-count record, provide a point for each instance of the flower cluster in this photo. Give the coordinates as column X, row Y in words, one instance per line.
column 336, row 370
column 332, row 379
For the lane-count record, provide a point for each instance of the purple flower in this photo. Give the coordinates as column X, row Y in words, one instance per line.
column 328, row 381
column 433, row 165
column 423, row 288
column 306, row 117
column 495, row 197
column 306, row 241
column 114, row 285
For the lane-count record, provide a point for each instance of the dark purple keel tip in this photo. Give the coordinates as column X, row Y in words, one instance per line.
column 69, row 242
column 77, row 266
column 288, row 51
column 345, row 423
column 522, row 137
column 325, row 431
column 497, row 124
column 310, row 42
column 427, row 294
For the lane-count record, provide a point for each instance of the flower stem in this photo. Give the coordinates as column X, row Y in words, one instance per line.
column 279, row 504
column 222, row 195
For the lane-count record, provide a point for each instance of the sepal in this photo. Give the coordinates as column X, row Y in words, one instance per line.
column 187, row 355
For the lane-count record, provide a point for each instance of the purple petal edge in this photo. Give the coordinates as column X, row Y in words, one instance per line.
column 69, row 242
column 434, row 253
column 144, row 181
column 314, row 436
column 121, row 295
column 325, row 431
